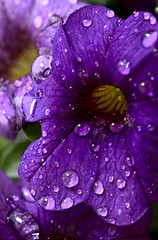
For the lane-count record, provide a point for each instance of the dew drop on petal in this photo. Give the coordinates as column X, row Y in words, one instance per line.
column 124, row 67
column 121, row 183
column 56, row 188
column 70, row 178
column 149, row 38
column 47, row 111
column 112, row 230
column 39, row 93
column 27, row 195
column 39, row 66
column 150, row 127
column 33, row 107
column 44, row 2
column 44, row 133
column 33, row 192
column 87, row 22
column 82, row 129
column 127, row 173
column 110, row 13
column 116, row 127
column 54, row 19
column 146, row 15
column 111, row 178
column 38, row 21
column 153, row 20
column 135, row 14
column 66, row 203
column 47, row 202
column 98, row 187
column 102, row 211
column 127, row 205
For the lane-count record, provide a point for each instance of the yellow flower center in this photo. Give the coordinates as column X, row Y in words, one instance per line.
column 109, row 101
column 21, row 64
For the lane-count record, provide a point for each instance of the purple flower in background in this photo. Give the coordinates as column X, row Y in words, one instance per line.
column 98, row 112
column 25, row 33
column 21, row 218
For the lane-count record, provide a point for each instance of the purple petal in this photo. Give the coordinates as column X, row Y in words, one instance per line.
column 131, row 60
column 80, row 46
column 142, row 141
column 117, row 194
column 70, row 165
column 7, row 112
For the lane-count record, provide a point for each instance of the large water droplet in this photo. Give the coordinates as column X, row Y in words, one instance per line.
column 27, row 195
column 82, row 129
column 146, row 15
column 153, row 20
column 47, row 202
column 116, row 127
column 124, row 67
column 98, row 187
column 54, row 19
column 23, row 224
column 87, row 22
column 33, row 107
column 110, row 13
column 40, row 65
column 70, row 178
column 102, row 211
column 66, row 203
column 95, row 147
column 149, row 38
column 121, row 183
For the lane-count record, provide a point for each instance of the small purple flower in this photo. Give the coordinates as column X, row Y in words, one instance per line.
column 98, row 114
column 26, row 29
column 21, row 218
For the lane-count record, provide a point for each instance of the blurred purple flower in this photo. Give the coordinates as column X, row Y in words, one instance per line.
column 26, row 28
column 21, row 218
column 99, row 113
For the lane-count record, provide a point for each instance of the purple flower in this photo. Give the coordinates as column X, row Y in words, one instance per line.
column 22, row 218
column 98, row 114
column 25, row 33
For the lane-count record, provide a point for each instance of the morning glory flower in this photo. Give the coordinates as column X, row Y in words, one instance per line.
column 98, row 114
column 25, row 33
column 23, row 218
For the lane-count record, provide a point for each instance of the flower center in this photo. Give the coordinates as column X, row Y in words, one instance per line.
column 109, row 101
column 21, row 62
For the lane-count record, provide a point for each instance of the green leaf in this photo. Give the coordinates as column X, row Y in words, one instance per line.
column 32, row 130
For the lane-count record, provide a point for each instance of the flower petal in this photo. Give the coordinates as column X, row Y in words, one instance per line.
column 117, row 195
column 142, row 142
column 131, row 60
column 70, row 166
column 80, row 45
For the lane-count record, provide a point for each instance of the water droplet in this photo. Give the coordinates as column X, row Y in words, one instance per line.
column 112, row 230
column 130, row 161
column 102, row 211
column 27, row 195
column 56, row 164
column 121, row 183
column 70, row 178
column 63, row 76
column 127, row 173
column 40, row 65
column 87, row 22
column 96, row 64
column 111, row 178
column 47, row 202
column 56, row 189
column 110, row 13
column 33, row 107
column 44, row 133
column 39, row 93
column 106, row 159
column 95, row 148
column 47, row 111
column 98, row 187
column 116, row 127
column 23, row 223
column 149, row 38
column 82, row 129
column 69, row 151
column 153, row 20
column 124, row 67
column 66, row 203
column 79, row 59
column 135, row 14
column 57, row 63
column 38, row 21
column 127, row 204
column 146, row 15
column 54, row 19
column 150, row 127
column 44, row 2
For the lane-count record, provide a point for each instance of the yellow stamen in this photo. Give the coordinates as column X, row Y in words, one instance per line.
column 109, row 100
